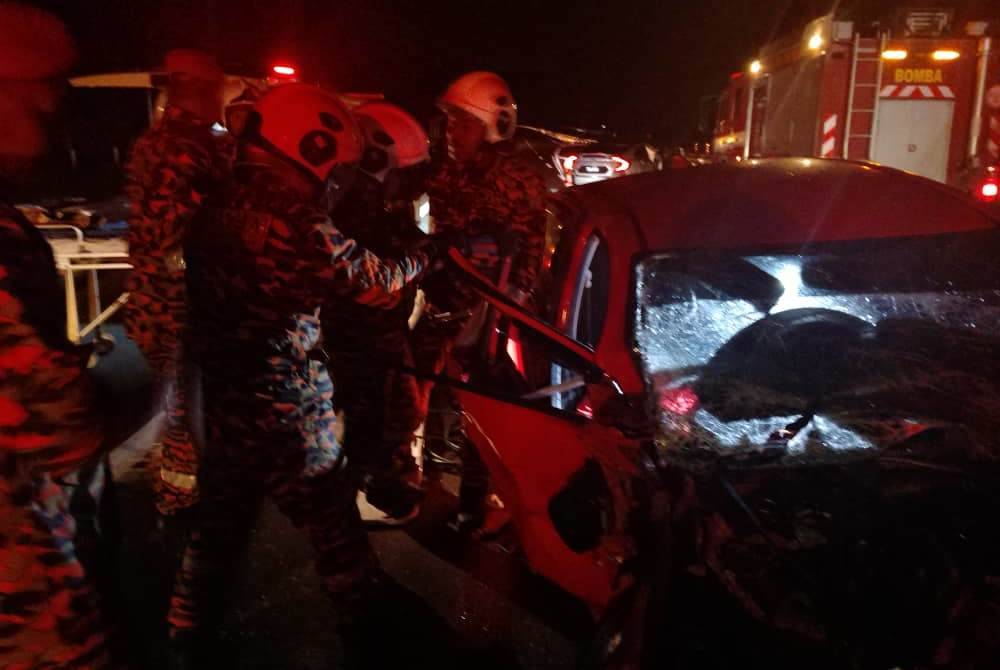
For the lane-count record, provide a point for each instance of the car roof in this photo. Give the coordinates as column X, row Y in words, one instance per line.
column 786, row 201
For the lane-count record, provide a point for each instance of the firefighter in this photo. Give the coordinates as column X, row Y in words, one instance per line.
column 261, row 269
column 498, row 201
column 368, row 345
column 173, row 168
column 49, row 615
column 238, row 109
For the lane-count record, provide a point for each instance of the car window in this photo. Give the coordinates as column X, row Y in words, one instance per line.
column 587, row 283
column 515, row 364
column 522, row 363
column 589, row 304
column 825, row 352
column 560, row 230
column 587, row 312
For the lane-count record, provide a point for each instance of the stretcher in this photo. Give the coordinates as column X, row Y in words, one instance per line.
column 90, row 258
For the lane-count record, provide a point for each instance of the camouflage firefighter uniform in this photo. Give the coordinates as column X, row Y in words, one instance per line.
column 368, row 346
column 262, row 272
column 173, row 168
column 49, row 615
column 498, row 201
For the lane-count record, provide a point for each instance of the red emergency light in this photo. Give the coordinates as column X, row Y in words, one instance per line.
column 988, row 190
column 283, row 70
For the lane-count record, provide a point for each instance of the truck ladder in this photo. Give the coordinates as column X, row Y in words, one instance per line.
column 863, row 90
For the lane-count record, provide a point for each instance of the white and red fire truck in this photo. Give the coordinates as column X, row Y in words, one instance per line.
column 918, row 90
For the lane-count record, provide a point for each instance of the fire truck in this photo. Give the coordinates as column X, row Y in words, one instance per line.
column 916, row 89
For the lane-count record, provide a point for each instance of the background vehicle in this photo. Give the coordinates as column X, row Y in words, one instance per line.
column 680, row 157
column 915, row 89
column 538, row 145
column 735, row 420
column 589, row 163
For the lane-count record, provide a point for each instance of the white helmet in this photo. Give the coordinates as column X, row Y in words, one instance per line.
column 487, row 97
column 393, row 139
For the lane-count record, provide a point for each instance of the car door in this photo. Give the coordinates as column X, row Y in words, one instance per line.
column 566, row 475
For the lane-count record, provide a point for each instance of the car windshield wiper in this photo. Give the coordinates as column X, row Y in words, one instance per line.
column 774, row 449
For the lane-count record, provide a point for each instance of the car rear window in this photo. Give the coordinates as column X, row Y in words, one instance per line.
column 825, row 352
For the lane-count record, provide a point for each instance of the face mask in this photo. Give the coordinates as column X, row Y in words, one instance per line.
column 409, row 183
column 338, row 184
column 376, row 161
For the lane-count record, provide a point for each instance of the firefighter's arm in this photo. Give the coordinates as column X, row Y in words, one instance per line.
column 357, row 274
column 524, row 196
column 447, row 215
column 46, row 418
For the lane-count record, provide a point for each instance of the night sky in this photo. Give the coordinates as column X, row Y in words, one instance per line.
column 639, row 66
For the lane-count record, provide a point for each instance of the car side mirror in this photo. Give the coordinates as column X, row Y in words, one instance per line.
column 612, row 407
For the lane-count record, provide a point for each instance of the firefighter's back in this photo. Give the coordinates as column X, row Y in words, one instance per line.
column 252, row 291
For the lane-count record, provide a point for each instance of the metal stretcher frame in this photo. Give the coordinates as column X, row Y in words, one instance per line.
column 91, row 262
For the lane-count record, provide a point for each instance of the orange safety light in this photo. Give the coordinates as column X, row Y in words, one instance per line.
column 945, row 55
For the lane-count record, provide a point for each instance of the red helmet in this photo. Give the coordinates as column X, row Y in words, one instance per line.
column 487, row 97
column 393, row 139
column 308, row 126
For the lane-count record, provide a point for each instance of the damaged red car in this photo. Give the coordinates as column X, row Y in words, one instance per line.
column 754, row 420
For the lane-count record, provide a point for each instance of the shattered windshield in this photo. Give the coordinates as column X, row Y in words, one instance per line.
column 828, row 351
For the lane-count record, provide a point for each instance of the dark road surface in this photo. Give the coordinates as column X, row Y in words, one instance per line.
column 460, row 604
